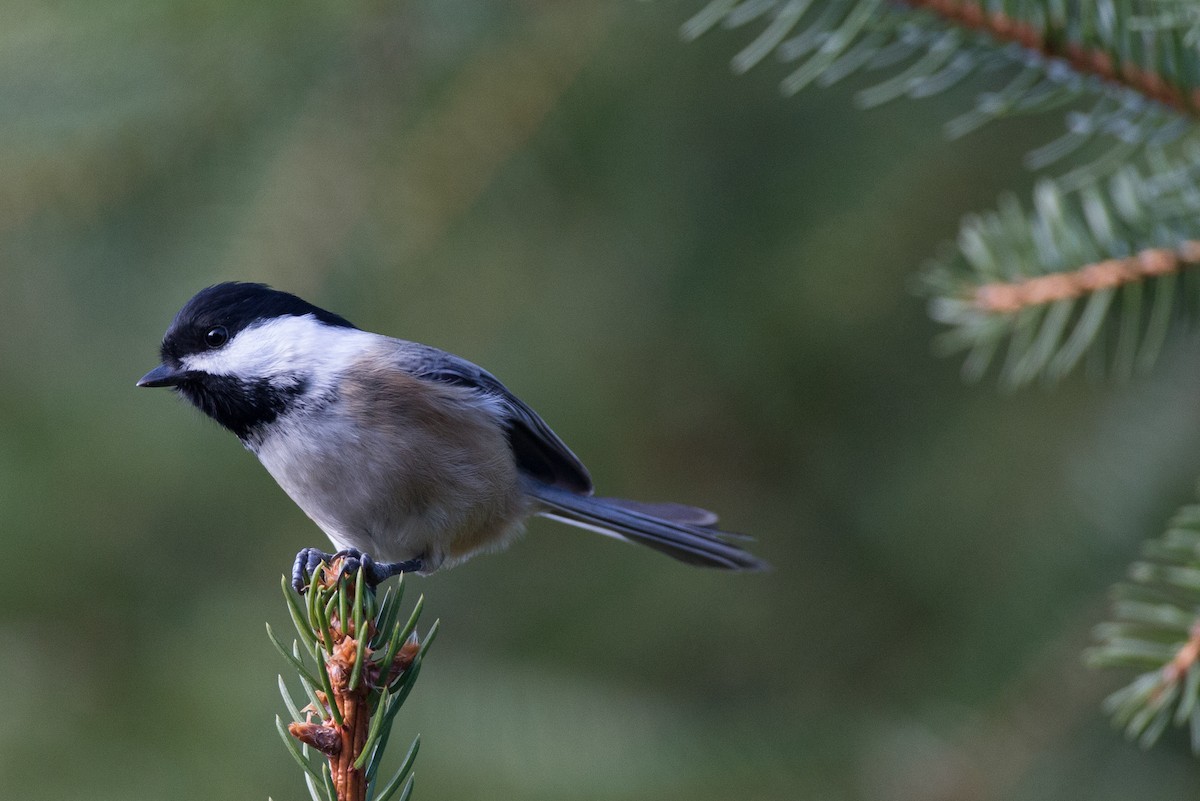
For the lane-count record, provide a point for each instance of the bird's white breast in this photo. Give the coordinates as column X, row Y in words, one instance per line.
column 396, row 466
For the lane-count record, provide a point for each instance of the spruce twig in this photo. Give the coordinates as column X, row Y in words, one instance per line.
column 362, row 676
column 1139, row 58
column 1053, row 39
column 1102, row 273
column 1009, row 297
column 1157, row 629
column 1096, row 268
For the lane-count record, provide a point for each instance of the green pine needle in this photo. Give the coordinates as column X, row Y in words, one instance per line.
column 321, row 615
column 292, row 709
column 390, row 789
column 295, row 662
column 374, row 732
column 299, row 618
column 359, row 630
column 327, row 686
column 313, row 792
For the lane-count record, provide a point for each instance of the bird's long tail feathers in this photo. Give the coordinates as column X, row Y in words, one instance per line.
column 682, row 532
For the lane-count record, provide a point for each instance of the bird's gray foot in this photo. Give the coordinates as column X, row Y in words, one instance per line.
column 352, row 559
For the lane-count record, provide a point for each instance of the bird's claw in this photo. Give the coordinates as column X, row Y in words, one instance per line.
column 309, row 559
column 375, row 573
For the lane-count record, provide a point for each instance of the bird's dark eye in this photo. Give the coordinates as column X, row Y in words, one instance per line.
column 216, row 337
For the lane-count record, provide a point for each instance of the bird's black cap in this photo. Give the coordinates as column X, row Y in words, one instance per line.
column 234, row 305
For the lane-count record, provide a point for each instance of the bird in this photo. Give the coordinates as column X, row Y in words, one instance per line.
column 408, row 458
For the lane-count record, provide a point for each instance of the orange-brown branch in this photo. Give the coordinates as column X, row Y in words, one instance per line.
column 1185, row 657
column 341, row 743
column 351, row 783
column 1008, row 298
column 1053, row 43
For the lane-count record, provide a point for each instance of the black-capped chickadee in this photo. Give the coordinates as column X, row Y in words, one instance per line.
column 406, row 456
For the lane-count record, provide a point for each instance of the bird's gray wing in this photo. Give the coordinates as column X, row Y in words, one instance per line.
column 537, row 449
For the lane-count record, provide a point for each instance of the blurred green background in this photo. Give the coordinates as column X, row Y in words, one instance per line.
column 706, row 289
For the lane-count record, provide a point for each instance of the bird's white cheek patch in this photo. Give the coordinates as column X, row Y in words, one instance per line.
column 283, row 346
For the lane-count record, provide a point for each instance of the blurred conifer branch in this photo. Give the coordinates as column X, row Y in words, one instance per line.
column 356, row 660
column 1157, row 629
column 1102, row 272
column 1099, row 267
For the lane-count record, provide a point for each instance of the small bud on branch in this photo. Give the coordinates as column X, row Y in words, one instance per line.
column 323, row 738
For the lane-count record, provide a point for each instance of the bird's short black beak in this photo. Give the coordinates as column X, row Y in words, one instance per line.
column 162, row 376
